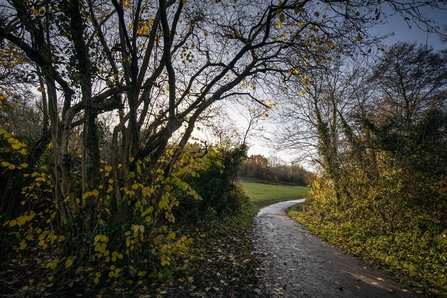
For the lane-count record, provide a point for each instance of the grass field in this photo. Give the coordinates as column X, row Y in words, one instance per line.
column 266, row 194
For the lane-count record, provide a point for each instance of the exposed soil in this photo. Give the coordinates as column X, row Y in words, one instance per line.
column 298, row 264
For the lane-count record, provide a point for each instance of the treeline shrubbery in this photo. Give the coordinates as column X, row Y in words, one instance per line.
column 260, row 168
column 382, row 193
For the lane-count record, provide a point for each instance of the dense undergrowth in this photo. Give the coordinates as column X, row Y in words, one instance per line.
column 219, row 264
column 407, row 243
column 205, row 251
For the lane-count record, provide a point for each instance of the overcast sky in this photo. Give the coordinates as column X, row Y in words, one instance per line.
column 402, row 32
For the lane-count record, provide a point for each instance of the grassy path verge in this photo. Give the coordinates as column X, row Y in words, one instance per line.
column 417, row 259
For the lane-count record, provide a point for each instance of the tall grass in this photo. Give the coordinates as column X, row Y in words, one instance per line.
column 262, row 195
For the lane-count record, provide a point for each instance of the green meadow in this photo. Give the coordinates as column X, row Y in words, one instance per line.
column 262, row 195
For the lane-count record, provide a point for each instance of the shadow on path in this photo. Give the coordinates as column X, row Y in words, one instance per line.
column 298, row 264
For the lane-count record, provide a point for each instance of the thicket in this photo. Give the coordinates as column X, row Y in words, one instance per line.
column 203, row 186
column 216, row 184
column 383, row 190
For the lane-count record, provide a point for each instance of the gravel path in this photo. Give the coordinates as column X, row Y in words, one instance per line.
column 295, row 263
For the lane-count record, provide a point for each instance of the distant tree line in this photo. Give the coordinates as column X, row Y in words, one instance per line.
column 274, row 171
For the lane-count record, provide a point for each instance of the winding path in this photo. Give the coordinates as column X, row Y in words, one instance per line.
column 298, row 264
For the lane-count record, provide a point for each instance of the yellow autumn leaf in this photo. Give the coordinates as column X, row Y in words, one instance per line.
column 282, row 17
column 358, row 38
column 279, row 25
column 69, row 262
column 141, row 273
column 21, row 220
column 299, row 9
column 143, row 30
column 102, row 248
column 16, row 146
column 170, row 236
column 52, row 264
column 41, row 89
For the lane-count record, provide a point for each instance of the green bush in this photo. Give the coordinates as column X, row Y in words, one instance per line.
column 215, row 182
